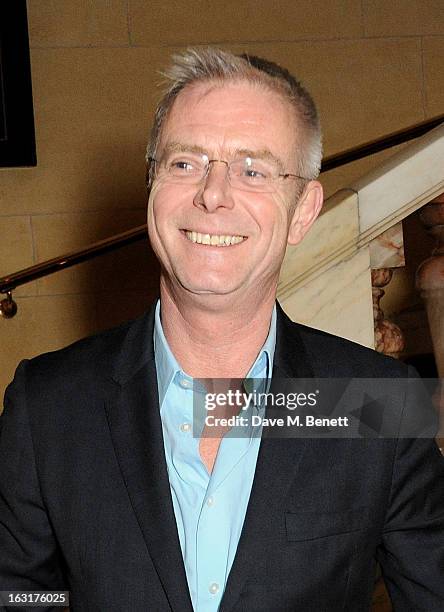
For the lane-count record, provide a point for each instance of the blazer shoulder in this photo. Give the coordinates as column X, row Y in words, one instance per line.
column 85, row 358
column 337, row 356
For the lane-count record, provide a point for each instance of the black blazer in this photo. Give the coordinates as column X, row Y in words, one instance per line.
column 85, row 503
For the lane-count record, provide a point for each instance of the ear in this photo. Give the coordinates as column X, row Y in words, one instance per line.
column 306, row 212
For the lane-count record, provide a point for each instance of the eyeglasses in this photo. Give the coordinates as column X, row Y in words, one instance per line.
column 246, row 173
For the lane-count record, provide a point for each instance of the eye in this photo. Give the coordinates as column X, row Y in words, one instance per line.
column 252, row 170
column 184, row 165
column 252, row 173
column 181, row 166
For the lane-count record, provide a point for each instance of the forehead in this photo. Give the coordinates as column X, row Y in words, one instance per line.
column 233, row 115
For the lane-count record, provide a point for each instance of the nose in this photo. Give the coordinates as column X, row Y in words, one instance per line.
column 215, row 190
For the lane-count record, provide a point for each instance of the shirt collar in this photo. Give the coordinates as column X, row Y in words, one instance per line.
column 167, row 366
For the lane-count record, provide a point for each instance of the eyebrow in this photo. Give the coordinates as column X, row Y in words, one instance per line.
column 179, row 147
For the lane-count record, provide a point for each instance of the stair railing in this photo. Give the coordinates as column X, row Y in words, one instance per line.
column 8, row 307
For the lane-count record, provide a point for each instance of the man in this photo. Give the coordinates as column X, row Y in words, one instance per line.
column 105, row 492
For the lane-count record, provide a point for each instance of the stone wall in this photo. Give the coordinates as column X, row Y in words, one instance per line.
column 373, row 66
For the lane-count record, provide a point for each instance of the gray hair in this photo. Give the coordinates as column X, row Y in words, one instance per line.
column 211, row 64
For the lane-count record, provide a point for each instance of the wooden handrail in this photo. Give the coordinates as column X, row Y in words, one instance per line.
column 12, row 281
column 380, row 144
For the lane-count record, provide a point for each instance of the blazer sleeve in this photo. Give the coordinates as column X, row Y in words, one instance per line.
column 412, row 551
column 29, row 556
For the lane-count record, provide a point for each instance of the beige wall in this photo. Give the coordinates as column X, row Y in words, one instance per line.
column 373, row 66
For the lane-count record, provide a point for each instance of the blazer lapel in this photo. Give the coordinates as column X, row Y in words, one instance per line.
column 134, row 420
column 277, row 465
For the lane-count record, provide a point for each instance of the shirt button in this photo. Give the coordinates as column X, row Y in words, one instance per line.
column 185, row 383
column 185, row 427
column 214, row 587
column 210, row 501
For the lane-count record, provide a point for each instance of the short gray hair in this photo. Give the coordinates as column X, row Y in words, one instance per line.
column 211, row 64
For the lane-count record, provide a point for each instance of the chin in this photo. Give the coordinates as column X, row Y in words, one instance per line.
column 219, row 286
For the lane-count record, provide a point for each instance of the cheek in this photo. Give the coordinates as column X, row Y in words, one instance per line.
column 156, row 221
column 151, row 218
column 160, row 209
column 273, row 219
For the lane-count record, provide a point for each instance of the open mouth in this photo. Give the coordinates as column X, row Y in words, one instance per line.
column 219, row 240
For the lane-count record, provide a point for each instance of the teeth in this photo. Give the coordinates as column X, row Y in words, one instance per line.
column 213, row 239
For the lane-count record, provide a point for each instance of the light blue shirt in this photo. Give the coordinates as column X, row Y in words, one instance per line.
column 209, row 508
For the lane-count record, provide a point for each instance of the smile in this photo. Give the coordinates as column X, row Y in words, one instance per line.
column 213, row 239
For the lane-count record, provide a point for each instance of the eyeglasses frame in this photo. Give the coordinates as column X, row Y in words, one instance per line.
column 284, row 176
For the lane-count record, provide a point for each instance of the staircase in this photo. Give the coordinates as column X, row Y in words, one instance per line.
column 333, row 279
column 326, row 280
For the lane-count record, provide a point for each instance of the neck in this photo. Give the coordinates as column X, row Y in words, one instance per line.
column 212, row 337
